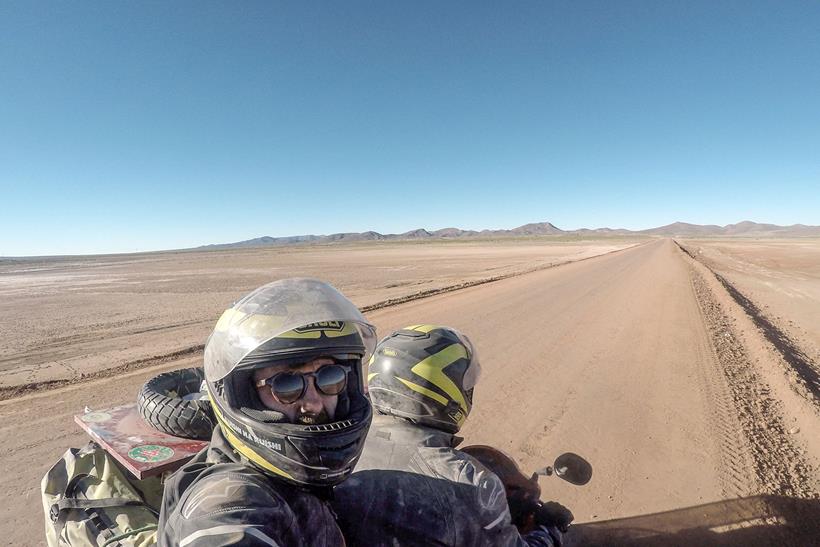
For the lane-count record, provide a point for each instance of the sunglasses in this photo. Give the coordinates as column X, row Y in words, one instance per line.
column 289, row 387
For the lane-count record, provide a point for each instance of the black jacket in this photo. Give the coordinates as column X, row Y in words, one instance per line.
column 217, row 499
column 411, row 487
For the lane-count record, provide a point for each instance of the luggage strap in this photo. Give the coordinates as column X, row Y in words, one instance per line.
column 59, row 512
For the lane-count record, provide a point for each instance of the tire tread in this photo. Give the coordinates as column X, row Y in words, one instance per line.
column 173, row 415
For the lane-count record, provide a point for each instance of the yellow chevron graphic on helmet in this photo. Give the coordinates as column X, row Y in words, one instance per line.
column 432, row 370
column 423, row 328
column 247, row 324
column 423, row 390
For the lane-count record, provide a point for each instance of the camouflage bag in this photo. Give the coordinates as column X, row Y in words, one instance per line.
column 88, row 499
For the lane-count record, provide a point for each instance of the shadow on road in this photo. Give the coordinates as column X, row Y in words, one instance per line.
column 758, row 520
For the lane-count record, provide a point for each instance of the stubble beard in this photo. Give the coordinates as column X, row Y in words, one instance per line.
column 313, row 419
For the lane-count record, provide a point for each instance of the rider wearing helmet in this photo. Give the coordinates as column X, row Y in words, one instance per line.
column 411, row 486
column 283, row 369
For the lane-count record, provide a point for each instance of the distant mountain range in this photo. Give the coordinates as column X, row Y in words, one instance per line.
column 677, row 229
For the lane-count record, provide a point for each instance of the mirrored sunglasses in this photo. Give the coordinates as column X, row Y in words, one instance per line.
column 289, row 387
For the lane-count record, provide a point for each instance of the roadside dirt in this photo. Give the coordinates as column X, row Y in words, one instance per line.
column 778, row 465
column 795, row 354
column 778, row 282
column 64, row 319
column 637, row 360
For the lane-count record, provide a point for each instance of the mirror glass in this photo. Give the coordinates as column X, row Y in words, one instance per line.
column 573, row 468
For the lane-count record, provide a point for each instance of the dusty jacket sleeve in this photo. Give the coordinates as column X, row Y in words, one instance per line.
column 228, row 509
column 493, row 514
column 238, row 508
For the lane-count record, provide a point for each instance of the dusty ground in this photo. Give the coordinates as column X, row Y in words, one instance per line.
column 640, row 360
column 65, row 318
column 782, row 277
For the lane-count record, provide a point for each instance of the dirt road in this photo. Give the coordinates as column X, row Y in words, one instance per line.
column 63, row 318
column 622, row 358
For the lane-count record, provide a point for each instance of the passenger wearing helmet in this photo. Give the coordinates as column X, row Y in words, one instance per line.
column 283, row 369
column 411, row 486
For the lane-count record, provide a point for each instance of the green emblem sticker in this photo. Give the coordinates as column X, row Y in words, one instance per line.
column 95, row 417
column 150, row 453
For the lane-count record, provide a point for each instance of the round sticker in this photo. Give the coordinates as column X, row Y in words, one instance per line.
column 95, row 417
column 150, row 453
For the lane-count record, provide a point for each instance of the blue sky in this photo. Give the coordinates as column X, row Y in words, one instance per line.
column 156, row 125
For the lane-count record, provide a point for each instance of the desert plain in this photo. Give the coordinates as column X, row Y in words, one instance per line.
column 685, row 371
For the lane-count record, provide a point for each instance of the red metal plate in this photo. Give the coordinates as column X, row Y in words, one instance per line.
column 140, row 448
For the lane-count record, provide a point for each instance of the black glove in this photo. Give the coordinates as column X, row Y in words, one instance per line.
column 554, row 514
column 545, row 536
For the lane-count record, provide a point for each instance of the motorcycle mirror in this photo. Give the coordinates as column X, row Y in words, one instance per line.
column 570, row 467
column 573, row 468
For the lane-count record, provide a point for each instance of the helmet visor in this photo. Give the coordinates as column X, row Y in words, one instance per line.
column 274, row 309
column 472, row 375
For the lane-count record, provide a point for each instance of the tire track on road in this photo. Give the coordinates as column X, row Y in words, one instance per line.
column 778, row 465
column 804, row 373
column 11, row 392
column 736, row 459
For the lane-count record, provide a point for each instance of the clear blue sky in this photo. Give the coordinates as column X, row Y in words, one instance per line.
column 155, row 125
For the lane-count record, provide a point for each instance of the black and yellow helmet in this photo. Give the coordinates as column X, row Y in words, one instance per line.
column 425, row 373
column 289, row 322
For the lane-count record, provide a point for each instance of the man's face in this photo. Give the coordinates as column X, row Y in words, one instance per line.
column 313, row 407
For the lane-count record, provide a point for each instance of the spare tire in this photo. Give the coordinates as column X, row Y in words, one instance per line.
column 171, row 403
